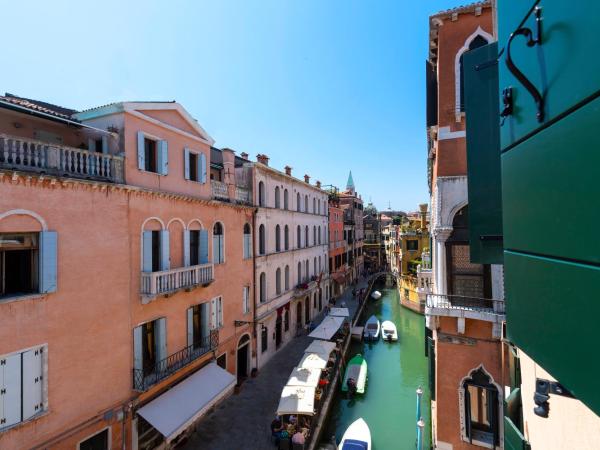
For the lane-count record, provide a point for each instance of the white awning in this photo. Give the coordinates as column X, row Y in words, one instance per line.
column 339, row 312
column 297, row 400
column 322, row 348
column 327, row 328
column 172, row 412
column 304, row 377
column 313, row 361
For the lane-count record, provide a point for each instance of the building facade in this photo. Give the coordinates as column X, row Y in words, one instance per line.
column 352, row 205
column 115, row 252
column 339, row 272
column 292, row 256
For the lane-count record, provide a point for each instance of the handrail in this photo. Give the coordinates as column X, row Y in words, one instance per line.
column 466, row 303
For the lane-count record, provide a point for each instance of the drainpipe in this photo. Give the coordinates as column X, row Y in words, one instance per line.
column 254, row 324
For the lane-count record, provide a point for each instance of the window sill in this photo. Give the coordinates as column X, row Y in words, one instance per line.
column 17, row 298
column 27, row 421
column 153, row 173
column 481, row 439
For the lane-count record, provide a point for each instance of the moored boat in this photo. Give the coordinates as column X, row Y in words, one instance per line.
column 357, row 436
column 388, row 331
column 355, row 377
column 372, row 327
column 376, row 295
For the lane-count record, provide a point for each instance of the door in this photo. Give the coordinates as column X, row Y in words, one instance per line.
column 242, row 358
column 278, row 332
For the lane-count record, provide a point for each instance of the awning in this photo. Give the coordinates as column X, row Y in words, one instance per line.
column 304, row 377
column 339, row 312
column 313, row 360
column 172, row 412
column 297, row 400
column 327, row 328
column 322, row 348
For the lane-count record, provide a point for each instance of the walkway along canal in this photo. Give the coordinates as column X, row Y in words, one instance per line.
column 395, row 371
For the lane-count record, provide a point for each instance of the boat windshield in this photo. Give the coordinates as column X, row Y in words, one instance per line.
column 372, row 326
column 353, row 444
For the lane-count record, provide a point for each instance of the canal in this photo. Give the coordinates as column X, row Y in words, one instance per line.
column 395, row 371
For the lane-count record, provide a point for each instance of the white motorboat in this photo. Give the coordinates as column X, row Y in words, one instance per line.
column 376, row 295
column 372, row 328
column 357, row 436
column 388, row 331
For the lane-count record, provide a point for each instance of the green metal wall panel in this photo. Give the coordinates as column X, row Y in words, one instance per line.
column 483, row 154
column 565, row 66
column 551, row 307
column 551, row 187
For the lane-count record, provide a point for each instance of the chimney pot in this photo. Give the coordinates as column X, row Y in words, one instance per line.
column 244, row 155
column 288, row 170
column 318, row 184
column 307, row 178
column 263, row 159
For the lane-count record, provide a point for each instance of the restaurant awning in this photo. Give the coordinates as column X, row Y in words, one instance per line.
column 313, row 360
column 327, row 328
column 304, row 377
column 339, row 312
column 322, row 348
column 297, row 400
column 172, row 412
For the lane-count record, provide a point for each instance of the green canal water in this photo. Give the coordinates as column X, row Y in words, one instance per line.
column 395, row 371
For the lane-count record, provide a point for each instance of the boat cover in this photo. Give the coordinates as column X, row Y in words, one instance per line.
column 172, row 412
column 353, row 444
column 339, row 312
column 323, row 348
column 327, row 328
column 304, row 377
column 297, row 400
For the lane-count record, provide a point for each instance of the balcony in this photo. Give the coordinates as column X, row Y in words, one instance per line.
column 465, row 307
column 37, row 156
column 243, row 195
column 167, row 282
column 150, row 375
column 219, row 190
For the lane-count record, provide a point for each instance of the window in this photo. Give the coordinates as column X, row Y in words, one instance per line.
column 306, row 203
column 306, row 270
column 314, row 235
column 194, row 247
column 306, row 236
column 149, row 348
column 194, row 166
column 314, row 206
column 19, row 256
column 246, row 299
column 198, row 326
column 287, row 278
column 319, row 264
column 285, row 199
column 216, row 306
column 315, row 265
column 22, row 386
column 479, row 41
column 319, row 234
column 277, row 238
column 412, row 245
column 261, row 240
column 99, row 441
column 299, row 273
column 298, row 202
column 247, row 242
column 261, row 194
column 286, row 320
column 299, row 235
column 286, row 238
column 218, row 244
column 264, row 339
column 150, row 155
column 278, row 281
column 277, row 200
column 262, row 288
column 480, row 409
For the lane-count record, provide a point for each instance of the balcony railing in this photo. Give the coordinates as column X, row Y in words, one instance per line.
column 465, row 303
column 152, row 374
column 219, row 189
column 169, row 281
column 43, row 157
column 243, row 195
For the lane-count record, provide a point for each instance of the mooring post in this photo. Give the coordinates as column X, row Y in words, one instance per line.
column 420, row 423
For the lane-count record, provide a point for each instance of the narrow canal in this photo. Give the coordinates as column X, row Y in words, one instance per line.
column 395, row 371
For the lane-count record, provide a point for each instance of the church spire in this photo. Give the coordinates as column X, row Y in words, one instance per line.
column 350, row 183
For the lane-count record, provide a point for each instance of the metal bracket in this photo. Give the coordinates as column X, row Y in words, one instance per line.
column 531, row 41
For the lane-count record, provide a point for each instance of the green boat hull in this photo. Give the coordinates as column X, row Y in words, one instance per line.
column 357, row 369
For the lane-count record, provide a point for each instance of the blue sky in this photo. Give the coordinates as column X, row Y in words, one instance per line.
column 324, row 86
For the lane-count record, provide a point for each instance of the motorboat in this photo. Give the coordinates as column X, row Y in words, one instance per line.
column 388, row 331
column 357, row 436
column 376, row 295
column 372, row 327
column 355, row 377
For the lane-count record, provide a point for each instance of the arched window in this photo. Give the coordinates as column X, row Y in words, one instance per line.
column 299, row 238
column 480, row 408
column 286, row 281
column 314, row 235
column 218, row 244
column 319, row 264
column 298, row 202
column 286, row 238
column 277, row 200
column 285, row 199
column 262, row 288
column 261, row 194
column 306, row 236
column 307, row 270
column 314, row 205
column 306, row 203
column 261, row 240
column 478, row 41
column 247, row 241
column 277, row 238
column 315, row 265
column 264, row 339
column 278, row 281
column 319, row 234
column 319, row 207
column 299, row 272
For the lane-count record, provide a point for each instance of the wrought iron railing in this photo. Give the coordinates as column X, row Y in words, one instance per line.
column 149, row 375
column 465, row 303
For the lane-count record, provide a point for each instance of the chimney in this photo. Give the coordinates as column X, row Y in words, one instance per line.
column 306, row 178
column 244, row 155
column 318, row 184
column 263, row 159
column 423, row 214
column 288, row 170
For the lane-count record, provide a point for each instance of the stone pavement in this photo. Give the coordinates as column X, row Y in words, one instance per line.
column 243, row 421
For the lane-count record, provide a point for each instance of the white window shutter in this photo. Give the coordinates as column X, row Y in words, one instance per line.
column 190, row 326
column 48, row 261
column 161, row 341
column 186, row 163
column 105, row 145
column 202, row 168
column 163, row 157
column 245, row 297
column 203, row 244
column 141, row 151
column 10, row 390
column 186, row 248
column 165, row 262
column 221, row 249
column 91, row 145
column 33, row 382
column 220, row 305
column 205, row 320
column 138, row 354
column 147, row 251
column 213, row 313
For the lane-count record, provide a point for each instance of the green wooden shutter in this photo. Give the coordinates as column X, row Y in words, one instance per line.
column 483, row 154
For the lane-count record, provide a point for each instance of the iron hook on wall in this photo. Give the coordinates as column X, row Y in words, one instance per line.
column 531, row 41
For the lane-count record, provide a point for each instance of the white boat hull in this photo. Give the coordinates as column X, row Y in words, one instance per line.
column 372, row 329
column 389, row 331
column 376, row 295
column 357, row 431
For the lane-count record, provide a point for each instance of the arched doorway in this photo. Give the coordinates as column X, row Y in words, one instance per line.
column 298, row 316
column 243, row 357
column 306, row 311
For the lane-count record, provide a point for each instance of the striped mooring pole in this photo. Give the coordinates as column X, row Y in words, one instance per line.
column 420, row 422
